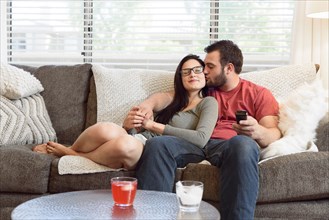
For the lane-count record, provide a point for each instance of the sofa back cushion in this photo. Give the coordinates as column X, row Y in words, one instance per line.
column 92, row 104
column 282, row 81
column 118, row 90
column 66, row 94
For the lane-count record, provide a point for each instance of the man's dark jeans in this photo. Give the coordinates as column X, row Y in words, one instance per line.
column 237, row 159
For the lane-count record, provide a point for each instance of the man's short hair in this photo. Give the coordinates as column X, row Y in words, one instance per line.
column 229, row 53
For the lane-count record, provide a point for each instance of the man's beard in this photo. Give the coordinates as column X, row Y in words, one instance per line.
column 220, row 80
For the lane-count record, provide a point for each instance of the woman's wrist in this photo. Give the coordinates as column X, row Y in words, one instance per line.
column 157, row 127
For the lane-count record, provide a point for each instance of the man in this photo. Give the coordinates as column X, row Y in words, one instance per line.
column 234, row 148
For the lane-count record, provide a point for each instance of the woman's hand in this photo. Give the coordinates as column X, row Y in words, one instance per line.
column 148, row 124
column 134, row 119
column 146, row 111
column 153, row 126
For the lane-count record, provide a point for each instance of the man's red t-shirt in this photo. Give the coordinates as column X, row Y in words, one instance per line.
column 256, row 100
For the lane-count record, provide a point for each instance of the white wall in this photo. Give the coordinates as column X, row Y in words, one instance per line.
column 310, row 41
column 320, row 48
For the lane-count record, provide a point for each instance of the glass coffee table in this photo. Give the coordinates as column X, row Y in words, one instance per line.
column 98, row 204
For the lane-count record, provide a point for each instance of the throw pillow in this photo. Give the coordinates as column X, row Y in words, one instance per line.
column 119, row 89
column 16, row 83
column 25, row 121
column 283, row 80
column 300, row 114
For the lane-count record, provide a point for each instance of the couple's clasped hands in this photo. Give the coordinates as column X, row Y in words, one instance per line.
column 138, row 117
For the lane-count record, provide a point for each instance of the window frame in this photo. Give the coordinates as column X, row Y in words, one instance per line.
column 255, row 62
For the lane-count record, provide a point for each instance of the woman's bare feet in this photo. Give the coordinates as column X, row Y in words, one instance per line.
column 59, row 149
column 41, row 148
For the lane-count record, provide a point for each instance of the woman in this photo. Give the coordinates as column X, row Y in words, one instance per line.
column 191, row 116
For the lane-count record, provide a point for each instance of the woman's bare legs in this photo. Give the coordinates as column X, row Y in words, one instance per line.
column 96, row 135
column 104, row 143
column 88, row 140
column 122, row 152
column 59, row 150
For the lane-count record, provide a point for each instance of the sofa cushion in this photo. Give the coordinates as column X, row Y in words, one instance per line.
column 23, row 170
column 16, row 83
column 302, row 210
column 66, row 93
column 207, row 174
column 120, row 89
column 25, row 121
column 92, row 104
column 301, row 176
column 281, row 81
column 295, row 177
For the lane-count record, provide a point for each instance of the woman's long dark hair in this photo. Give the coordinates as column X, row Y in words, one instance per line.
column 181, row 99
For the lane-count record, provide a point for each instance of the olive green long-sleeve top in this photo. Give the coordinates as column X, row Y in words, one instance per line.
column 195, row 125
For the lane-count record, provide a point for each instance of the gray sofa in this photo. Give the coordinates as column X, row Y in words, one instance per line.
column 291, row 187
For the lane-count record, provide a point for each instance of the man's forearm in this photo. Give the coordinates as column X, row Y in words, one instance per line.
column 154, row 102
column 268, row 131
column 268, row 136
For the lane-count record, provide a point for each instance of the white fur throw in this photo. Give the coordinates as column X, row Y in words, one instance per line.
column 16, row 83
column 25, row 121
column 119, row 89
column 80, row 165
column 300, row 114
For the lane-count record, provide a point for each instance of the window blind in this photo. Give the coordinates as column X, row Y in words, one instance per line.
column 146, row 33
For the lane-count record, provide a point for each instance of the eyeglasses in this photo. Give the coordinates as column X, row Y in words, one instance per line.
column 188, row 71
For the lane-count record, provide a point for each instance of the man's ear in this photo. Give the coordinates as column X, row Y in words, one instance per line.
column 230, row 68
